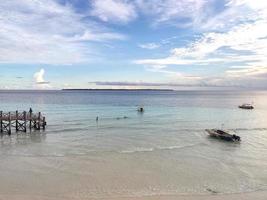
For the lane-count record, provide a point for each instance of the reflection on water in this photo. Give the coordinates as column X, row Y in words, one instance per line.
column 24, row 138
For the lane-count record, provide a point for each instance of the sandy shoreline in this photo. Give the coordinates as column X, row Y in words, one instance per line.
column 261, row 195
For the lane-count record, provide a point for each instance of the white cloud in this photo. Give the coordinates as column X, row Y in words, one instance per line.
column 39, row 77
column 121, row 11
column 46, row 32
column 249, row 72
column 180, row 13
column 244, row 44
column 90, row 36
column 149, row 46
column 175, row 76
column 257, row 5
column 245, row 37
column 255, row 71
column 236, row 12
column 202, row 15
column 173, row 60
column 39, row 81
column 158, row 67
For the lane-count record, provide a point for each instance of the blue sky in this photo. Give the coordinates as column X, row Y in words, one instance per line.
column 54, row 44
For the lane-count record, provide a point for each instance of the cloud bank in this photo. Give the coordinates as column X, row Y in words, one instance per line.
column 228, row 38
column 113, row 11
column 45, row 31
column 236, row 36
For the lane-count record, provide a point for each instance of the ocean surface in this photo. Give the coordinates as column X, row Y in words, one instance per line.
column 165, row 150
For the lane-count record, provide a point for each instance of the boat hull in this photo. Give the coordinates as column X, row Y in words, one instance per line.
column 246, row 107
column 222, row 135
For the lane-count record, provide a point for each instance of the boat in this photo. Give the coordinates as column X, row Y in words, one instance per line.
column 220, row 134
column 246, row 106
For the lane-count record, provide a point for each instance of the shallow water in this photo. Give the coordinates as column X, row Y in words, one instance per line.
column 165, row 150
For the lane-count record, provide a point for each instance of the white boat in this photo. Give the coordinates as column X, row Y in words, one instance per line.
column 246, row 106
column 220, row 134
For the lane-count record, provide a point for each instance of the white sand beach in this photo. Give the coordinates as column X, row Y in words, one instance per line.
column 261, row 195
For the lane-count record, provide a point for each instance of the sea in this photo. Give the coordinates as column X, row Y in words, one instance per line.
column 163, row 151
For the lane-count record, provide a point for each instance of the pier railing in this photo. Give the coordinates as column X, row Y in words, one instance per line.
column 21, row 121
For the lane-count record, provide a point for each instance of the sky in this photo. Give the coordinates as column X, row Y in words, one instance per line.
column 133, row 44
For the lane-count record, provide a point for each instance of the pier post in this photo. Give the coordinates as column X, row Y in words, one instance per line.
column 30, row 120
column 44, row 123
column 25, row 121
column 17, row 116
column 9, row 123
column 39, row 121
column 1, row 121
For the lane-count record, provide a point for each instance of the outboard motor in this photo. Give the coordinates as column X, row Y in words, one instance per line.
column 235, row 137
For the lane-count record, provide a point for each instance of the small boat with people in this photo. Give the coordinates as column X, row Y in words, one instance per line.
column 221, row 134
column 246, row 106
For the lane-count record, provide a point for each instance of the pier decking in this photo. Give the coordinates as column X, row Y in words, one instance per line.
column 21, row 121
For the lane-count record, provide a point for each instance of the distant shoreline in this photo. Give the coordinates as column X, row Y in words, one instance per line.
column 117, row 89
column 129, row 90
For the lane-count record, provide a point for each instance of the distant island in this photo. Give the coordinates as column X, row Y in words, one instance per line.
column 75, row 89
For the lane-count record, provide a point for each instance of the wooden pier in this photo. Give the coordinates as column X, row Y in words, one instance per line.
column 21, row 121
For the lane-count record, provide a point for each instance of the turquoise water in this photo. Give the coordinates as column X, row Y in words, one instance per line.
column 165, row 150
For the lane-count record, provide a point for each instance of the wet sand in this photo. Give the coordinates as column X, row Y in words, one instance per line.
column 241, row 196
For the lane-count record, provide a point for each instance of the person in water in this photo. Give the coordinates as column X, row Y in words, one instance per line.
column 141, row 109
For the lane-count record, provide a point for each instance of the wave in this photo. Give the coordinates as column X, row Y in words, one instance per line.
column 85, row 153
column 67, row 130
column 140, row 150
column 231, row 129
column 34, row 155
column 108, row 127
